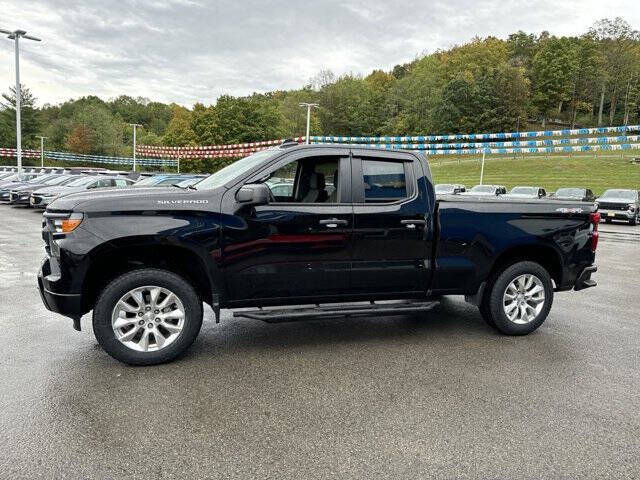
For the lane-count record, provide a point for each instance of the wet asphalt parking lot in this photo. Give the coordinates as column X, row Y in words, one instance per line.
column 437, row 395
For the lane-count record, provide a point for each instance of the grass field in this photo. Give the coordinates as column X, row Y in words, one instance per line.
column 595, row 170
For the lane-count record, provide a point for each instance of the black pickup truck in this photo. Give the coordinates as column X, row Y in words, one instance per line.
column 359, row 233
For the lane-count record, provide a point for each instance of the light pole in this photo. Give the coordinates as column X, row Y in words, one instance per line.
column 134, row 125
column 41, row 149
column 308, row 105
column 15, row 35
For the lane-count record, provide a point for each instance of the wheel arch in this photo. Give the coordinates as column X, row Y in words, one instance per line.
column 545, row 255
column 108, row 263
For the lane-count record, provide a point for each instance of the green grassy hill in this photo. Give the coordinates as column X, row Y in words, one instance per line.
column 597, row 170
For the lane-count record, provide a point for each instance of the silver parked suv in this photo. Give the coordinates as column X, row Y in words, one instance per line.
column 619, row 204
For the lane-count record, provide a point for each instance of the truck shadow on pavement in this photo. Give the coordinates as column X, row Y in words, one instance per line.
column 452, row 320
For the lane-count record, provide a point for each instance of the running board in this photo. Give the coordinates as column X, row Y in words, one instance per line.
column 279, row 315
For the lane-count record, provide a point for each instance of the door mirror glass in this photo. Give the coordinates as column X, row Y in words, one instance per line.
column 253, row 194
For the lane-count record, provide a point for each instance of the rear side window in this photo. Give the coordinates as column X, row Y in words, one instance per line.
column 383, row 181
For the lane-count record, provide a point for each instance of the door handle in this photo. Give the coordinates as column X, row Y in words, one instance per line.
column 332, row 222
column 411, row 224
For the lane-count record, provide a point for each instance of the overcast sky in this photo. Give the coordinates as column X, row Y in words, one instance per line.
column 186, row 51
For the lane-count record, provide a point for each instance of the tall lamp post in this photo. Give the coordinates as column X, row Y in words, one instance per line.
column 41, row 149
column 134, row 125
column 309, row 106
column 15, row 36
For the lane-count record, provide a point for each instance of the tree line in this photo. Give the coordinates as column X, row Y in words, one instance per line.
column 523, row 82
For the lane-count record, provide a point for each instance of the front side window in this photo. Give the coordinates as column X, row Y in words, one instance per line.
column 105, row 182
column 307, row 180
column 384, row 181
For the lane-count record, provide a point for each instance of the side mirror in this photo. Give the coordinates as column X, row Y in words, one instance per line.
column 253, row 194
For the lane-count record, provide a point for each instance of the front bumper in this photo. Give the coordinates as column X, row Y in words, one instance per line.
column 38, row 201
column 584, row 279
column 67, row 304
column 616, row 214
column 18, row 199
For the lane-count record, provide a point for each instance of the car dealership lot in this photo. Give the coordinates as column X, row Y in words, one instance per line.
column 437, row 395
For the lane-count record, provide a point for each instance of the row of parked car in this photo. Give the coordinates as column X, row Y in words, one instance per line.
column 37, row 187
column 613, row 204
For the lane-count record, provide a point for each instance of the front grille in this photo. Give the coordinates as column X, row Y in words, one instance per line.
column 35, row 200
column 614, row 206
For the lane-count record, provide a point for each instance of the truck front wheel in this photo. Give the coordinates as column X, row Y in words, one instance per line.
column 147, row 316
column 519, row 299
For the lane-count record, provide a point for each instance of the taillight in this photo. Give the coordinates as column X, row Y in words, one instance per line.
column 594, row 218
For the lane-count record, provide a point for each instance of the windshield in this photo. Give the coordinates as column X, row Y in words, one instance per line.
column 570, row 192
column 148, row 181
column 444, row 187
column 25, row 177
column 624, row 194
column 234, row 170
column 40, row 178
column 57, row 180
column 524, row 190
column 483, row 189
column 188, row 181
column 80, row 181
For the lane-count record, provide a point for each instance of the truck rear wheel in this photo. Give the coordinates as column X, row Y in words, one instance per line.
column 147, row 316
column 518, row 301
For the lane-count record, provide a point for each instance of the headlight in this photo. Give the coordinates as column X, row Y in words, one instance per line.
column 64, row 223
column 632, row 206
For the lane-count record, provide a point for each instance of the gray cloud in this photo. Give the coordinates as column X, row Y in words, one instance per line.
column 195, row 50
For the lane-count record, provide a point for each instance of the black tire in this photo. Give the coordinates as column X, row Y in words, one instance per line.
column 492, row 306
column 633, row 221
column 114, row 291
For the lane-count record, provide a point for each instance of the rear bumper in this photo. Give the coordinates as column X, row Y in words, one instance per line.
column 584, row 279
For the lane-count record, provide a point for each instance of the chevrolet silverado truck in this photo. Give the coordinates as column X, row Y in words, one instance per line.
column 376, row 243
column 620, row 204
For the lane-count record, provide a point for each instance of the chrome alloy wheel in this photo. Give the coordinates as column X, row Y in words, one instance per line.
column 523, row 299
column 148, row 318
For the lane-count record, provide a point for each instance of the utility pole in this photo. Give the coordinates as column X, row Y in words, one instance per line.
column 134, row 125
column 15, row 35
column 41, row 149
column 309, row 106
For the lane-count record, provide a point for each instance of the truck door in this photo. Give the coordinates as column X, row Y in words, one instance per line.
column 299, row 244
column 392, row 228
